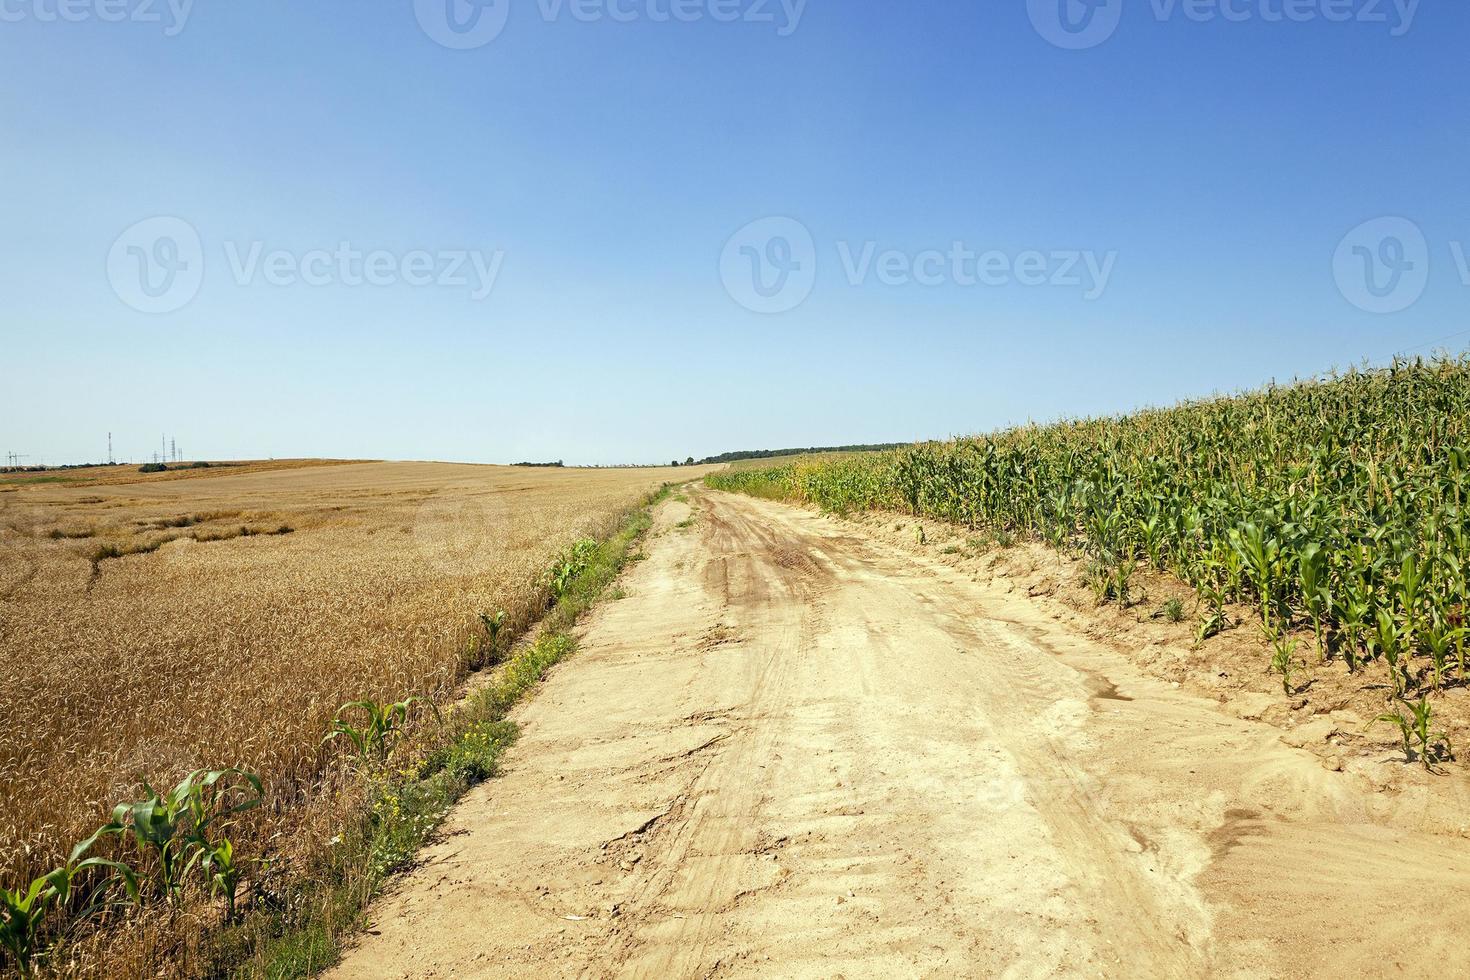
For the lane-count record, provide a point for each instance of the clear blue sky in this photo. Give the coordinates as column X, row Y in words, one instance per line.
column 610, row 163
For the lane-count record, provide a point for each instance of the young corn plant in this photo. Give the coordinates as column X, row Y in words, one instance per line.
column 1355, row 612
column 1111, row 582
column 1414, row 730
column 1259, row 551
column 222, row 874
column 1283, row 661
column 1123, row 582
column 492, row 626
column 175, row 827
column 1099, row 580
column 1214, row 621
column 1312, row 564
column 382, row 726
column 1441, row 642
column 1456, row 619
column 1388, row 642
column 572, row 563
column 24, row 911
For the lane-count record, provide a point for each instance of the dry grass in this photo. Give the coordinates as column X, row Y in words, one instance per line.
column 189, row 630
column 98, row 476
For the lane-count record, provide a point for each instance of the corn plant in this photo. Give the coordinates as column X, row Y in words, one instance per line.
column 1283, row 660
column 216, row 861
column 1111, row 582
column 1356, row 610
column 382, row 726
column 492, row 626
column 1099, row 579
column 1317, row 600
column 175, row 827
column 572, row 563
column 1123, row 582
column 24, row 911
column 1414, row 729
column 1259, row 550
column 1388, row 642
column 1330, row 504
column 1411, row 590
column 1441, row 642
column 1214, row 619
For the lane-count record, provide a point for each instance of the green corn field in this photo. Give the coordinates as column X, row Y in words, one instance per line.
column 1335, row 505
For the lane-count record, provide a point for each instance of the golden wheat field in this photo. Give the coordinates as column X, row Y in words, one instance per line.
column 150, row 629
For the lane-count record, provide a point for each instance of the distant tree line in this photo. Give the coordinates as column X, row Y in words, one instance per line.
column 769, row 453
column 48, row 469
column 542, row 466
column 164, row 468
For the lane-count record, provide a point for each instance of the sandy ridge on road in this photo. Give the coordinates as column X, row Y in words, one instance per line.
column 795, row 750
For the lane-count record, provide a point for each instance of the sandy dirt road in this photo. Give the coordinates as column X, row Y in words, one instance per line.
column 792, row 750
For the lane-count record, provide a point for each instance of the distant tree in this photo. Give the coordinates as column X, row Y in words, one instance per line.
column 771, row 453
column 689, row 461
column 674, row 463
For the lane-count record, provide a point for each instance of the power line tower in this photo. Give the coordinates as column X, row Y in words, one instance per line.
column 173, row 450
column 109, row 449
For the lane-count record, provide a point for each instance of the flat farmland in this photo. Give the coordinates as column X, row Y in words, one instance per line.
column 94, row 476
column 150, row 629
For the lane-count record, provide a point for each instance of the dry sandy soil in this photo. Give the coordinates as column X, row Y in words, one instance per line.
column 797, row 749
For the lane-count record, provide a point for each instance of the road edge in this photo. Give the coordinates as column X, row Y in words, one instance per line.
column 315, row 926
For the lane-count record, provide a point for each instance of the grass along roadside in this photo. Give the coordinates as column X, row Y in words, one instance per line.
column 304, row 932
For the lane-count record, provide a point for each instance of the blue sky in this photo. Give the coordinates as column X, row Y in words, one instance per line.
column 602, row 166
